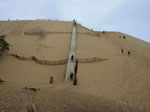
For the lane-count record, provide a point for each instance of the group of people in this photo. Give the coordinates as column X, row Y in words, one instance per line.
column 129, row 52
column 122, row 50
column 124, row 37
column 75, row 70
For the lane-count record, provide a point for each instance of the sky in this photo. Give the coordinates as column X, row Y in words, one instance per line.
column 128, row 16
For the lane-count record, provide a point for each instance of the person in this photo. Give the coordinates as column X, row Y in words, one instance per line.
column 74, row 23
column 122, row 51
column 124, row 37
column 71, row 75
column 129, row 52
column 72, row 58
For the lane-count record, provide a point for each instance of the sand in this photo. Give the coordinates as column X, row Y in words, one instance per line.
column 119, row 84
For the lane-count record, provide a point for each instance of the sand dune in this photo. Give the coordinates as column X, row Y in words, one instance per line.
column 120, row 84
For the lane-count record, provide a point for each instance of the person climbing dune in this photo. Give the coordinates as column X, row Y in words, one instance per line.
column 72, row 57
column 122, row 51
column 71, row 76
column 129, row 52
column 124, row 37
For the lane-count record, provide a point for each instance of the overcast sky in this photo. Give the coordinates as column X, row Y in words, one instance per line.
column 127, row 16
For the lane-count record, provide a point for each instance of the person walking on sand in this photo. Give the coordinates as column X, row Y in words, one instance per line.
column 124, row 37
column 129, row 52
column 122, row 51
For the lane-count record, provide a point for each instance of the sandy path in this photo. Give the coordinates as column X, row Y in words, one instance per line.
column 72, row 54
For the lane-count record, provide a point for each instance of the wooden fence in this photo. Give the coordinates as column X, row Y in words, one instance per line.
column 58, row 62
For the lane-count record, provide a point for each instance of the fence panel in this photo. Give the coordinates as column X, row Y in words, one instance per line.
column 58, row 62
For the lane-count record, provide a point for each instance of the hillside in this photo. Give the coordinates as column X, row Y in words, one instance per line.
column 118, row 84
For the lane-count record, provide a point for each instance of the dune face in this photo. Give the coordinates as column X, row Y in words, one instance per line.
column 118, row 83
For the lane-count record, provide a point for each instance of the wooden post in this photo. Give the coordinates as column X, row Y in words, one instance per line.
column 51, row 80
column 75, row 74
column 76, row 67
column 75, row 82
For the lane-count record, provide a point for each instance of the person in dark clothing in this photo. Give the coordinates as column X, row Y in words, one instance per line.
column 72, row 58
column 74, row 21
column 129, row 52
column 124, row 37
column 71, row 76
column 122, row 51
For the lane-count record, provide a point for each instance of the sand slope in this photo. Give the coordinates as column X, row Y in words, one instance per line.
column 119, row 84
